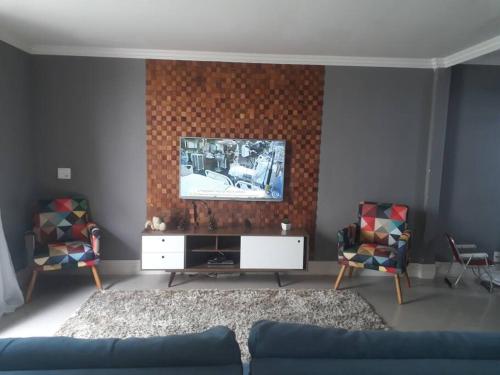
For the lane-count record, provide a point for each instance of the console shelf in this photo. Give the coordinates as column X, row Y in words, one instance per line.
column 215, row 268
column 210, row 250
column 259, row 249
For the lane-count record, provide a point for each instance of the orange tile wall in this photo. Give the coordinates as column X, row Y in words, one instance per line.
column 233, row 100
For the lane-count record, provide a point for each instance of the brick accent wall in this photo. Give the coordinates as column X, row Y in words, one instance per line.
column 233, row 100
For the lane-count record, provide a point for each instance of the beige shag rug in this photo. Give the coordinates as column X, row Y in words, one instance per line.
column 143, row 313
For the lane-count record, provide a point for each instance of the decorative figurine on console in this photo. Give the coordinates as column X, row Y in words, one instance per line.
column 196, row 223
column 183, row 221
column 248, row 225
column 212, row 222
column 285, row 224
column 179, row 219
column 155, row 224
column 174, row 218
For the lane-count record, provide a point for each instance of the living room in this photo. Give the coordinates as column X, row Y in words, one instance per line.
column 172, row 166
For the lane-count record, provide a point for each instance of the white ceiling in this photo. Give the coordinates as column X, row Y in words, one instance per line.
column 418, row 33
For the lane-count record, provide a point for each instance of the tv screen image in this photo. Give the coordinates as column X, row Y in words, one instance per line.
column 239, row 169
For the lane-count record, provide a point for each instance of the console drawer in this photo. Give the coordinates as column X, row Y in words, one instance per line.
column 162, row 244
column 162, row 261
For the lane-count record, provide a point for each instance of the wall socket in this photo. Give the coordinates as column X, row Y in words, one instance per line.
column 64, row 173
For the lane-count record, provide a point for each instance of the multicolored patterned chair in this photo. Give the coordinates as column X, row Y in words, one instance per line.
column 64, row 238
column 378, row 241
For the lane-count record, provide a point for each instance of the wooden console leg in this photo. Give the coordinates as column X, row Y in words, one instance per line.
column 97, row 279
column 339, row 277
column 31, row 286
column 171, row 279
column 278, row 279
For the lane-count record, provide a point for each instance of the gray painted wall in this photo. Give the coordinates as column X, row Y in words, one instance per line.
column 374, row 142
column 471, row 180
column 17, row 182
column 90, row 116
column 373, row 147
column 381, row 130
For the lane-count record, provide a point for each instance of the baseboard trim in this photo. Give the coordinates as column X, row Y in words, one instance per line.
column 421, row 271
column 133, row 267
column 316, row 268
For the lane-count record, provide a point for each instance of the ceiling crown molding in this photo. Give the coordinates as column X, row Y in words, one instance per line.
column 464, row 55
column 13, row 41
column 233, row 57
column 480, row 49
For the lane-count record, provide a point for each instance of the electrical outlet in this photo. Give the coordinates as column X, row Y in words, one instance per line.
column 64, row 173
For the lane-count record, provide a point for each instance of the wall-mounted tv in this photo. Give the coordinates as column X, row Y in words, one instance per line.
column 237, row 169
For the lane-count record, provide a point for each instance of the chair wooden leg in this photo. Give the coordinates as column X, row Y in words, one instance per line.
column 398, row 289
column 351, row 271
column 339, row 277
column 31, row 286
column 97, row 279
column 408, row 282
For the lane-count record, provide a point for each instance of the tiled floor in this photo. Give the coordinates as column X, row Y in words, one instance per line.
column 430, row 304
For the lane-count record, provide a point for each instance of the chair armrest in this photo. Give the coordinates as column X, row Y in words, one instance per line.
column 466, row 246
column 93, row 229
column 405, row 236
column 95, row 236
column 347, row 237
column 403, row 246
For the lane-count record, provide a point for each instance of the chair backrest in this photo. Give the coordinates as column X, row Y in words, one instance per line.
column 382, row 223
column 453, row 247
column 61, row 219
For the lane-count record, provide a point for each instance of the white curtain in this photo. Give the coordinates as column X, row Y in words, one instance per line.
column 11, row 296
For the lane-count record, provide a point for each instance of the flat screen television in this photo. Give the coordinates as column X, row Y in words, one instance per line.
column 232, row 169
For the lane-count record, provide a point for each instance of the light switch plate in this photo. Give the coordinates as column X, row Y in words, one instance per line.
column 64, row 173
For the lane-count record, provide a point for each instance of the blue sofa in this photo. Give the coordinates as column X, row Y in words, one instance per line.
column 276, row 348
column 292, row 349
column 213, row 352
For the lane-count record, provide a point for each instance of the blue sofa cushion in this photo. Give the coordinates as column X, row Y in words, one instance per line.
column 185, row 370
column 216, row 347
column 279, row 348
column 288, row 366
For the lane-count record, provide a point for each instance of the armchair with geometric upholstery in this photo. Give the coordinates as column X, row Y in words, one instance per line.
column 379, row 241
column 64, row 238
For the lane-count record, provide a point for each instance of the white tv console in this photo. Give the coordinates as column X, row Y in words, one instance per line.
column 254, row 250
